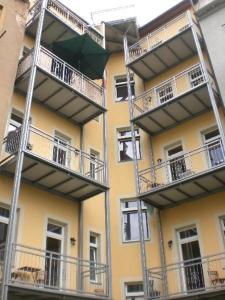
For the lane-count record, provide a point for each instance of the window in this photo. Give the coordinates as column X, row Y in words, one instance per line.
column 61, row 150
column 121, row 88
column 130, row 221
column 125, row 145
column 134, row 291
column 94, row 164
column 213, row 145
column 13, row 135
column 177, row 165
column 15, row 122
column 196, row 77
column 165, row 92
column 94, row 256
column 4, row 220
column 223, row 226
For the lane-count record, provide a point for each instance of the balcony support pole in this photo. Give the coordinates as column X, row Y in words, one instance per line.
column 20, row 158
column 209, row 85
column 136, row 176
column 106, row 180
column 162, row 255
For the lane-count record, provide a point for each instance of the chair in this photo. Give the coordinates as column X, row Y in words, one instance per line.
column 40, row 277
column 214, row 278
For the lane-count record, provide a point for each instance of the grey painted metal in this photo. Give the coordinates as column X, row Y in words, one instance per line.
column 162, row 254
column 106, row 179
column 210, row 90
column 139, row 202
column 20, row 158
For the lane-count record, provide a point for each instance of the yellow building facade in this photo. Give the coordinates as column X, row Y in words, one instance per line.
column 112, row 180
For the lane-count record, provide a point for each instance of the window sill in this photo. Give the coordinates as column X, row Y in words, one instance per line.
column 136, row 241
column 128, row 161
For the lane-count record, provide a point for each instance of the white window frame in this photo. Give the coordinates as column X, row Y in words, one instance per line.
column 94, row 164
column 167, row 96
column 199, row 79
column 208, row 142
column 65, row 146
column 123, row 83
column 134, row 210
column 128, row 139
column 173, row 156
column 96, row 247
column 135, row 295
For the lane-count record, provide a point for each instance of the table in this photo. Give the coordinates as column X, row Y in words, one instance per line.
column 23, row 273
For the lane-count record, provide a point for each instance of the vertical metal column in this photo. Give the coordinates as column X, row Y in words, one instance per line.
column 162, row 255
column 81, row 223
column 106, row 179
column 136, row 174
column 20, row 158
column 210, row 90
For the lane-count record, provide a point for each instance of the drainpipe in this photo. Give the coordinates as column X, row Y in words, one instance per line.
column 20, row 158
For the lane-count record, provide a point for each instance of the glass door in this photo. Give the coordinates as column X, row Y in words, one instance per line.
column 177, row 166
column 54, row 250
column 215, row 155
column 192, row 270
column 61, row 151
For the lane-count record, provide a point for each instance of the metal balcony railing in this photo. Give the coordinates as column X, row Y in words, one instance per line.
column 68, row 17
column 158, row 37
column 51, row 271
column 189, row 277
column 184, row 166
column 58, row 151
column 58, row 68
column 175, row 86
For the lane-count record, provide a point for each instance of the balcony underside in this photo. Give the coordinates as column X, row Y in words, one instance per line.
column 165, row 56
column 54, row 29
column 187, row 189
column 54, row 178
column 18, row 292
column 175, row 111
column 60, row 97
column 215, row 294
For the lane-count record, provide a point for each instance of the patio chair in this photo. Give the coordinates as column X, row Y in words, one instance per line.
column 215, row 279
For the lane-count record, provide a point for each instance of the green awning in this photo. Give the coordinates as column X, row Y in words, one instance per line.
column 84, row 54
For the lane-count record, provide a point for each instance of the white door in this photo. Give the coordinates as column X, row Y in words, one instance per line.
column 176, row 163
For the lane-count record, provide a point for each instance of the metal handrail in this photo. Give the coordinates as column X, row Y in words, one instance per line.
column 141, row 105
column 68, row 16
column 133, row 50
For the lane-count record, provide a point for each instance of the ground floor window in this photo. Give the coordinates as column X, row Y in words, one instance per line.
column 134, row 291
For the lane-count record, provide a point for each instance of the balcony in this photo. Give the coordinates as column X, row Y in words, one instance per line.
column 198, row 278
column 59, row 23
column 189, row 176
column 61, row 87
column 162, row 49
column 174, row 101
column 55, row 166
column 39, row 274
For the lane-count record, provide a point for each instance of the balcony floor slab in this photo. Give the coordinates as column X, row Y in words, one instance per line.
column 54, row 178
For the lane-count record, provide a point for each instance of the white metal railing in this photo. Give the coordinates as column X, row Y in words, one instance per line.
column 173, row 87
column 184, row 166
column 60, row 152
column 189, row 277
column 158, row 37
column 58, row 68
column 51, row 271
column 68, row 17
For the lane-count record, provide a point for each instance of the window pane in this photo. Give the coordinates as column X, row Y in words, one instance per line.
column 54, row 228
column 130, row 204
column 131, row 227
column 3, row 232
column 4, row 212
column 212, row 134
column 93, row 239
column 188, row 233
column 137, row 287
column 126, row 152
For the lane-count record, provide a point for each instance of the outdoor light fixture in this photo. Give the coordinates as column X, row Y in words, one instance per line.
column 159, row 160
column 170, row 244
column 72, row 241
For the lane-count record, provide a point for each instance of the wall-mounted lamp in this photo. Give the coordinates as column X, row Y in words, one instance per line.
column 170, row 244
column 72, row 241
column 159, row 160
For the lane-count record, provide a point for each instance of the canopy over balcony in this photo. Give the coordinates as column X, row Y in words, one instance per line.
column 55, row 166
column 191, row 175
column 61, row 87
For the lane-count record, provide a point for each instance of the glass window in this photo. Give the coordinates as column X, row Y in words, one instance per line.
column 215, row 155
column 94, row 164
column 94, row 255
column 15, row 122
column 54, row 228
column 134, row 291
column 177, row 165
column 223, row 226
column 4, row 220
column 196, row 77
column 121, row 88
column 165, row 92
column 61, row 150
column 130, row 221
column 125, row 145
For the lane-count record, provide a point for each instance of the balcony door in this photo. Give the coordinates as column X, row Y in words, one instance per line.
column 191, row 267
column 176, row 163
column 61, row 150
column 214, row 151
column 54, row 251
